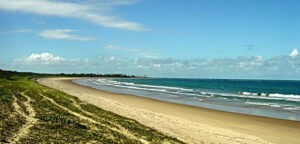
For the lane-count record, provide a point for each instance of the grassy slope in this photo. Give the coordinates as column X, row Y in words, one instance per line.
column 32, row 113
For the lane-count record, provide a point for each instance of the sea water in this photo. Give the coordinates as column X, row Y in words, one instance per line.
column 269, row 98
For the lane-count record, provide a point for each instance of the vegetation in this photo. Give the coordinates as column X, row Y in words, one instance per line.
column 10, row 74
column 32, row 113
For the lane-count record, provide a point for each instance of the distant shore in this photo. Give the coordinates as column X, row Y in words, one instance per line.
column 188, row 123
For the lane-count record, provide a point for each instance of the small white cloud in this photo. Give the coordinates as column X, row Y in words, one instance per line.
column 63, row 34
column 136, row 51
column 37, row 21
column 111, row 59
column 115, row 47
column 156, row 65
column 294, row 53
column 107, row 59
column 18, row 31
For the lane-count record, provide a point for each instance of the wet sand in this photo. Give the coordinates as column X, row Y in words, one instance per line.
column 188, row 123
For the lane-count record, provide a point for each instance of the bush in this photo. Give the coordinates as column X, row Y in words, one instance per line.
column 5, row 95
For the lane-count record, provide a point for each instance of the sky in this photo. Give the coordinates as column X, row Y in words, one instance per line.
column 238, row 39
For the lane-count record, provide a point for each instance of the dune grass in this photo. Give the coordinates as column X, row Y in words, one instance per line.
column 32, row 113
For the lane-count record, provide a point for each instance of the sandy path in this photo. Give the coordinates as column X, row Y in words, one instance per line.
column 187, row 123
column 30, row 119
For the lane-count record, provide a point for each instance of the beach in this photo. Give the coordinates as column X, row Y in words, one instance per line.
column 187, row 123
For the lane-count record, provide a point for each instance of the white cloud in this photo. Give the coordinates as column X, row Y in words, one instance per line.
column 107, row 59
column 47, row 63
column 18, row 31
column 115, row 47
column 63, row 34
column 91, row 10
column 43, row 58
column 115, row 2
column 294, row 53
column 37, row 21
column 132, row 50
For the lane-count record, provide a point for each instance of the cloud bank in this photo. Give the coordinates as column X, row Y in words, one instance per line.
column 253, row 67
column 90, row 10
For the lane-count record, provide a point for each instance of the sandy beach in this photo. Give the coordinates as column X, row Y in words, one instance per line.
column 187, row 123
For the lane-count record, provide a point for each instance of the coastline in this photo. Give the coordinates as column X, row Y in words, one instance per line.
column 188, row 123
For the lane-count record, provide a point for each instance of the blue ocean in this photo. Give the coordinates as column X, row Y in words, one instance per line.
column 269, row 98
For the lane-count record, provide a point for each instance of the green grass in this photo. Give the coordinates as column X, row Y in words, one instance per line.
column 62, row 118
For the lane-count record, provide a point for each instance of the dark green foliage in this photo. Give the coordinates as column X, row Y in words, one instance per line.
column 5, row 95
column 61, row 119
column 13, row 75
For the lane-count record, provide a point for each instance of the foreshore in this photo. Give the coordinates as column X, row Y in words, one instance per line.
column 187, row 123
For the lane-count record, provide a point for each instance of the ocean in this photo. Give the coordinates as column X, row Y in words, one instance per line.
column 269, row 98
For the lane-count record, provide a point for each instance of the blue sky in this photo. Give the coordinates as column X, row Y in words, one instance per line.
column 203, row 38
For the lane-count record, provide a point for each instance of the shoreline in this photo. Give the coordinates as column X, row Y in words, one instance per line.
column 256, row 110
column 188, row 123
